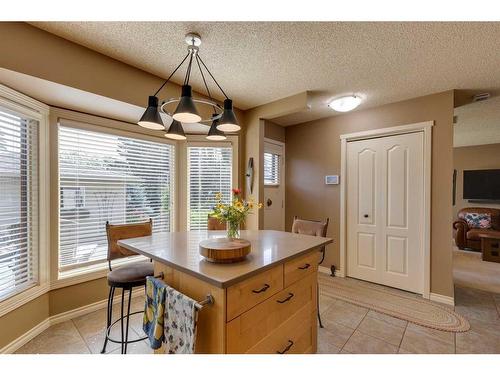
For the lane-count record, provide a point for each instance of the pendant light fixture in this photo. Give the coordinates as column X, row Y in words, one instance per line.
column 151, row 118
column 175, row 131
column 223, row 118
column 214, row 134
column 228, row 122
column 186, row 110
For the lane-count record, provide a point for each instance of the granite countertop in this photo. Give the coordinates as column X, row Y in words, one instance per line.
column 180, row 250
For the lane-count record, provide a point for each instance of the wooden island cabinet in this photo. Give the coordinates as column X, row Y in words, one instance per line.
column 265, row 304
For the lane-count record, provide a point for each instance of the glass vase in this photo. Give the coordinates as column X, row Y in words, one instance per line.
column 233, row 229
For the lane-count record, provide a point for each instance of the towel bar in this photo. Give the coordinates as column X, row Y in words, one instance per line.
column 199, row 305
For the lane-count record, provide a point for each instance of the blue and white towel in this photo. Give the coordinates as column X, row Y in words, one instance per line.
column 154, row 311
column 181, row 316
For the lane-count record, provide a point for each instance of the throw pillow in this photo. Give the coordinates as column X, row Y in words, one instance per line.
column 478, row 221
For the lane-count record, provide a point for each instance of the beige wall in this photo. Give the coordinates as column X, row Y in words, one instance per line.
column 21, row 320
column 274, row 131
column 313, row 151
column 473, row 157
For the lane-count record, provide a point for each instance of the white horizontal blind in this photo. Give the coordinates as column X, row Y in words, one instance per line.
column 18, row 203
column 209, row 172
column 271, row 169
column 105, row 177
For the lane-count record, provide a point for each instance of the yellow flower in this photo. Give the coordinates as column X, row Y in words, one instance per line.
column 218, row 196
column 260, row 205
column 250, row 204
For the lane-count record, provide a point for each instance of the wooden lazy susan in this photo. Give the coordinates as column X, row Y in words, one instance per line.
column 224, row 250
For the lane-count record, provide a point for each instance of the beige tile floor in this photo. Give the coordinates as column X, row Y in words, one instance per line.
column 348, row 329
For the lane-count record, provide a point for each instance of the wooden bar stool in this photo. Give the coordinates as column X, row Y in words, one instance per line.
column 214, row 224
column 125, row 277
column 312, row 228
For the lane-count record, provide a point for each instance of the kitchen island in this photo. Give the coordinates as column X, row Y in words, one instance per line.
column 264, row 304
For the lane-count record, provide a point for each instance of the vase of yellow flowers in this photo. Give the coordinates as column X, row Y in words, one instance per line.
column 234, row 213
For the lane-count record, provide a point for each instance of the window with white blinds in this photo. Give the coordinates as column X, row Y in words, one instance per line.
column 18, row 203
column 106, row 177
column 271, row 169
column 209, row 172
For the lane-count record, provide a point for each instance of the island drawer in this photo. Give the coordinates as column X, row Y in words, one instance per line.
column 254, row 325
column 300, row 267
column 246, row 294
column 294, row 336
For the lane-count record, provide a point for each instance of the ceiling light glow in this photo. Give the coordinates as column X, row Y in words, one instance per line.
column 345, row 103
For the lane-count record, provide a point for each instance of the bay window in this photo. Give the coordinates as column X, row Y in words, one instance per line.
column 19, row 203
column 209, row 171
column 108, row 177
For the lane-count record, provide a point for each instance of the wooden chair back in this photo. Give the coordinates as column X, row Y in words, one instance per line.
column 121, row 232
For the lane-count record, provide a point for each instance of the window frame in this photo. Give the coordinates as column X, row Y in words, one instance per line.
column 200, row 141
column 272, row 146
column 26, row 106
column 66, row 118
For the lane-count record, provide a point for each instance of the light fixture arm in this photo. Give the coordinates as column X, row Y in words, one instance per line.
column 204, row 81
column 211, row 75
column 171, row 75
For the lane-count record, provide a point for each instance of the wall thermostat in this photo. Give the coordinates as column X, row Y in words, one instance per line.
column 332, row 180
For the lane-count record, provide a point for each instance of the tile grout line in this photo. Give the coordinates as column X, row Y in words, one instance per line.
column 379, row 338
column 402, row 337
column 81, row 336
column 355, row 329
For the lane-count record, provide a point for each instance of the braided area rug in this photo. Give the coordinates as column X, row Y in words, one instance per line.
column 393, row 302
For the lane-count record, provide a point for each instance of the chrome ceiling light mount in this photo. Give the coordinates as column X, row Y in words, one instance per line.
column 223, row 118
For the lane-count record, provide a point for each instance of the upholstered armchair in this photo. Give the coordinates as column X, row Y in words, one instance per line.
column 466, row 237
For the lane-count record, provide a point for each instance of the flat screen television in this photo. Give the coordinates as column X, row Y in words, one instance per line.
column 482, row 184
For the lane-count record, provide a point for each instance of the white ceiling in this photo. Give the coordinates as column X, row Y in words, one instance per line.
column 477, row 123
column 259, row 62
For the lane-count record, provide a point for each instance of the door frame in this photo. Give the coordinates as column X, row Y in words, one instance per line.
column 426, row 128
column 282, row 177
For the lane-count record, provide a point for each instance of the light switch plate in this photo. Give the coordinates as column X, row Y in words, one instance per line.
column 332, row 180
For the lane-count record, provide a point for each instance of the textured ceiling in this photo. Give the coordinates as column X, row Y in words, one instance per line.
column 259, row 62
column 478, row 123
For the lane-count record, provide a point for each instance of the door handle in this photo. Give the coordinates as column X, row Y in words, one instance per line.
column 263, row 289
column 304, row 267
column 269, row 202
column 365, row 215
column 287, row 348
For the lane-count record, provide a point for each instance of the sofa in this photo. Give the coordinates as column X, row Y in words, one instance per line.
column 466, row 237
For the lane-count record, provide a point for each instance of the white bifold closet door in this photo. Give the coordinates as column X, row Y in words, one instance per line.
column 385, row 193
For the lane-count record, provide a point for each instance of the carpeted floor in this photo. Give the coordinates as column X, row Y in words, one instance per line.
column 471, row 272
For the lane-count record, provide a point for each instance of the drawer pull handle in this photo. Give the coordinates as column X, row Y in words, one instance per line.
column 306, row 266
column 290, row 295
column 263, row 289
column 290, row 344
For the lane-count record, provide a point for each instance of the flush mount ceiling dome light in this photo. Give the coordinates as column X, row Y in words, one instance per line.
column 223, row 118
column 345, row 103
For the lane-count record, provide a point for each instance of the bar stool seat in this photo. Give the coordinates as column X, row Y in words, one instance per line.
column 130, row 276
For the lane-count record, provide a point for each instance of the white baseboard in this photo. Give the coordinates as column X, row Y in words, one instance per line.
column 327, row 271
column 442, row 299
column 25, row 337
column 59, row 318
